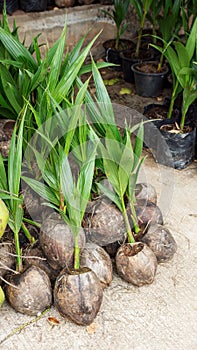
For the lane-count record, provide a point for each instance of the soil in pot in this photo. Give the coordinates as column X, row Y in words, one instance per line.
column 78, row 295
column 136, row 263
column 112, row 55
column 128, row 59
column 149, row 81
column 179, row 148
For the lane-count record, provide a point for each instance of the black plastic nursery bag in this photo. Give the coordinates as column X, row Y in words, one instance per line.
column 33, row 5
column 11, row 6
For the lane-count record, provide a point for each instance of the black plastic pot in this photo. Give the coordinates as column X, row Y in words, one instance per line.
column 112, row 55
column 33, row 5
column 148, row 84
column 128, row 59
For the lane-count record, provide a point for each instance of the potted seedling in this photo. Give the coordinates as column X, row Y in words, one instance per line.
column 113, row 47
column 16, row 290
column 180, row 137
column 138, row 53
column 121, row 164
column 150, row 76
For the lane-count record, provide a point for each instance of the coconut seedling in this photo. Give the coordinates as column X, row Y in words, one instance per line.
column 118, row 15
column 141, row 7
column 135, row 261
column 62, row 237
column 10, row 189
column 83, row 282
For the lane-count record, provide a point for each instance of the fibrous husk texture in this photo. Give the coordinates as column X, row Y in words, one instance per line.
column 145, row 192
column 96, row 258
column 161, row 242
column 57, row 242
column 148, row 213
column 104, row 223
column 30, row 292
column 6, row 259
column 136, row 263
column 78, row 295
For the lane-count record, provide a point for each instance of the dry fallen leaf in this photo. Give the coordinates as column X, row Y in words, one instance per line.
column 110, row 82
column 53, row 321
column 159, row 99
column 125, row 91
column 92, row 328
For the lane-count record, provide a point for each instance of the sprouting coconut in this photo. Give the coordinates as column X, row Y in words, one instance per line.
column 78, row 292
column 62, row 237
column 78, row 295
column 161, row 242
column 96, row 258
column 4, row 216
column 135, row 261
column 29, row 292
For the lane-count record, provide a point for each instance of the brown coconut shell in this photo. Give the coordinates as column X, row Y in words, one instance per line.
column 57, row 242
column 96, row 258
column 136, row 263
column 161, row 242
column 32, row 204
column 35, row 256
column 112, row 248
column 30, row 292
column 6, row 260
column 78, row 295
column 145, row 192
column 148, row 213
column 103, row 223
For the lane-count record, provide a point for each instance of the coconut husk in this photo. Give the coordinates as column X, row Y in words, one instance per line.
column 29, row 292
column 161, row 242
column 136, row 263
column 96, row 258
column 103, row 223
column 78, row 295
